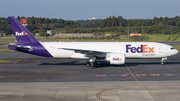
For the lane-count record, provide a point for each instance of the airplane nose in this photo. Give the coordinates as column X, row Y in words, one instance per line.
column 176, row 51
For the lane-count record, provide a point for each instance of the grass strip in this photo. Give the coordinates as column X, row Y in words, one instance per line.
column 177, row 47
column 6, row 61
column 5, row 49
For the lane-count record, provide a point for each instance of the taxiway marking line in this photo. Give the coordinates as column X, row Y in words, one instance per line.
column 99, row 97
column 132, row 74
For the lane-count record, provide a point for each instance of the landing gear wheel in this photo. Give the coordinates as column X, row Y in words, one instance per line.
column 88, row 64
column 95, row 64
column 92, row 62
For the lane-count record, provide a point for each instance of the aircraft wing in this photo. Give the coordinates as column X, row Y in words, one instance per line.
column 86, row 51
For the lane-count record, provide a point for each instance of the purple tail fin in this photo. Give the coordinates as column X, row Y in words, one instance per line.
column 23, row 36
column 26, row 41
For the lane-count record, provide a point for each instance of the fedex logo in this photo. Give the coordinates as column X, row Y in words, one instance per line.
column 117, row 59
column 141, row 49
column 23, row 33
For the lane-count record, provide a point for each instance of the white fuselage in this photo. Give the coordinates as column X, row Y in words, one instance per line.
column 130, row 49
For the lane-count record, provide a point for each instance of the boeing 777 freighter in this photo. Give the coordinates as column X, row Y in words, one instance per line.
column 113, row 52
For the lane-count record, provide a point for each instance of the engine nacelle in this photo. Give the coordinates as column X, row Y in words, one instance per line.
column 115, row 58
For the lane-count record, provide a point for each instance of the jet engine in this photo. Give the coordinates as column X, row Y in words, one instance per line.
column 115, row 58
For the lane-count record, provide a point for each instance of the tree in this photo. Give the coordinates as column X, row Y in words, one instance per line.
column 46, row 21
column 155, row 20
column 18, row 18
column 31, row 27
column 41, row 32
column 178, row 23
column 9, row 30
column 31, row 20
column 120, row 20
column 165, row 20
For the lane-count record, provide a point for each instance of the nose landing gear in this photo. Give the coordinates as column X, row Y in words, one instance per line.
column 163, row 59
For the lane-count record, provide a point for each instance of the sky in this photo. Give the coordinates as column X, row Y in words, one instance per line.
column 84, row 9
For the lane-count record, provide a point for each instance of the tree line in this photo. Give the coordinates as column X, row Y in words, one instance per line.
column 111, row 24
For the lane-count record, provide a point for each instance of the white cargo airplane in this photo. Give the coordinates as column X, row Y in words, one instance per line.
column 113, row 52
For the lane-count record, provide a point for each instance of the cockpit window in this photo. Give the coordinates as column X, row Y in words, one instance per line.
column 172, row 48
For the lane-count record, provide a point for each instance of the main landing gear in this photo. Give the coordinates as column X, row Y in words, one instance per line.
column 163, row 59
column 92, row 62
column 89, row 64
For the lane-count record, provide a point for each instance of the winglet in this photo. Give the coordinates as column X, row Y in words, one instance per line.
column 23, row 36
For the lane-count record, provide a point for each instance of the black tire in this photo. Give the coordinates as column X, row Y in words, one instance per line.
column 88, row 64
column 95, row 64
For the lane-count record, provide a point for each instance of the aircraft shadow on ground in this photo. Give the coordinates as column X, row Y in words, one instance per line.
column 64, row 63
column 107, row 64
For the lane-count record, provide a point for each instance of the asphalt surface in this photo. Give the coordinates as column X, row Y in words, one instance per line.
column 35, row 78
column 30, row 68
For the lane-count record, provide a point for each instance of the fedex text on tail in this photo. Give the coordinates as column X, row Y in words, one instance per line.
column 23, row 33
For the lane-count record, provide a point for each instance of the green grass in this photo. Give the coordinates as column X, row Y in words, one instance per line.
column 8, row 39
column 6, row 61
column 177, row 47
column 159, row 37
column 5, row 49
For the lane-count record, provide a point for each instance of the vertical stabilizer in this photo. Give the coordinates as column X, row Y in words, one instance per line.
column 26, row 41
column 23, row 36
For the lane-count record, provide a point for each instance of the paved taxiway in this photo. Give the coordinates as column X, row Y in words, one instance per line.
column 34, row 78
